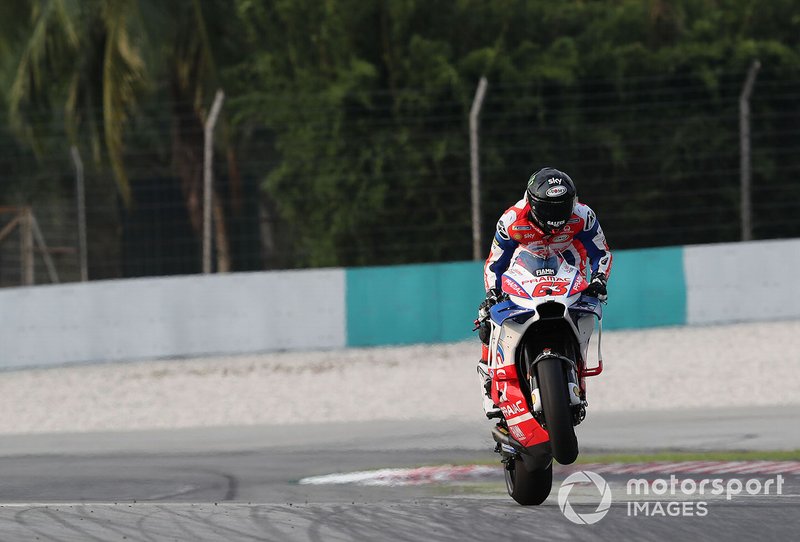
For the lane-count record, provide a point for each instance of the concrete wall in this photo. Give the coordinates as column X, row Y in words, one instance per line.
column 741, row 282
column 176, row 316
column 334, row 308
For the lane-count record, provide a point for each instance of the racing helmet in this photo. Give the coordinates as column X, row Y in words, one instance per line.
column 551, row 195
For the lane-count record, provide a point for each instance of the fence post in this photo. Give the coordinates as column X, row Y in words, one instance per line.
column 208, row 155
column 26, row 246
column 474, row 113
column 81, row 197
column 745, row 168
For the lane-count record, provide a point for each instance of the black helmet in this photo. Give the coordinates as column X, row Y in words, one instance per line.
column 551, row 196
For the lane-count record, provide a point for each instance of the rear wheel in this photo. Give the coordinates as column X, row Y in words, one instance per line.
column 557, row 411
column 526, row 487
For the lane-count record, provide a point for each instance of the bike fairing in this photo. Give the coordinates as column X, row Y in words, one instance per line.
column 580, row 238
column 504, row 310
column 547, row 297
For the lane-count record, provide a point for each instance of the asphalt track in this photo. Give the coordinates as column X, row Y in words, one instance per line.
column 241, row 483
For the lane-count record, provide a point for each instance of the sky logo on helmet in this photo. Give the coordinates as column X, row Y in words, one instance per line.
column 554, row 180
column 555, row 191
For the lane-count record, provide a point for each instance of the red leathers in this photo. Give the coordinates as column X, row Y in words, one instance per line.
column 580, row 240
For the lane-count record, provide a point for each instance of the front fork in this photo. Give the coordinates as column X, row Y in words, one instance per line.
column 577, row 402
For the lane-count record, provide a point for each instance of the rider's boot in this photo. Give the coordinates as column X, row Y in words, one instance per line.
column 490, row 409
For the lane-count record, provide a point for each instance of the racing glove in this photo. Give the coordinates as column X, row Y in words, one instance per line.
column 493, row 296
column 597, row 287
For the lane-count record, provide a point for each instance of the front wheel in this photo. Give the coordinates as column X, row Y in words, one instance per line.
column 557, row 410
column 526, row 487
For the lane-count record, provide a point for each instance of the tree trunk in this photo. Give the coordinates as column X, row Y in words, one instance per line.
column 187, row 155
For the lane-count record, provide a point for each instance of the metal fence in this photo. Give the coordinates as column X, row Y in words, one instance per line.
column 654, row 180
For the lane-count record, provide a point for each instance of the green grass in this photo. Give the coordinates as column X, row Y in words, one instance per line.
column 674, row 456
column 670, row 456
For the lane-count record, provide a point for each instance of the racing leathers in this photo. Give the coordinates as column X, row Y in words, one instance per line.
column 581, row 241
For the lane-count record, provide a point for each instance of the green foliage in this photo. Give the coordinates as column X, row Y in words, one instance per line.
column 352, row 114
column 62, row 60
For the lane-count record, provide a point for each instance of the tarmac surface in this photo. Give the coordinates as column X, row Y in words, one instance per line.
column 242, row 483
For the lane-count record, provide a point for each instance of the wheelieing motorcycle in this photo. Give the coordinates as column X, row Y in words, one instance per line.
column 538, row 354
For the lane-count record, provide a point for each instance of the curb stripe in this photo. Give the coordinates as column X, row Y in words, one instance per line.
column 463, row 473
column 402, row 477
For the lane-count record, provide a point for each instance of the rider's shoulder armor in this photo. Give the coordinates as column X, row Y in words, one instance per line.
column 515, row 225
column 514, row 215
column 583, row 218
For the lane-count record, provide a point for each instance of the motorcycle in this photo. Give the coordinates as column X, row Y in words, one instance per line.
column 538, row 353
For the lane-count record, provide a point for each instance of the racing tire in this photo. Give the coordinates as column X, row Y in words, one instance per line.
column 557, row 411
column 526, row 487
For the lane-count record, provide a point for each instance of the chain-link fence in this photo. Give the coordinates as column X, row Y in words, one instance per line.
column 657, row 158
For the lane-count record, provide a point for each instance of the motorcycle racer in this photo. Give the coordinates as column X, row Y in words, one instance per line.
column 549, row 215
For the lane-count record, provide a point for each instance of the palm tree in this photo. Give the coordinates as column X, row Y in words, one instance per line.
column 85, row 56
column 98, row 59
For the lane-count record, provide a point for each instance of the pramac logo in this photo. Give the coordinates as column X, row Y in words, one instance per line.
column 511, row 287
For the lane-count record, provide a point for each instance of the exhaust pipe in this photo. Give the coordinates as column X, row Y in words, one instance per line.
column 536, row 458
column 504, row 439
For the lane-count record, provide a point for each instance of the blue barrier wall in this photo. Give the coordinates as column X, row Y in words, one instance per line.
column 408, row 304
column 647, row 289
column 431, row 303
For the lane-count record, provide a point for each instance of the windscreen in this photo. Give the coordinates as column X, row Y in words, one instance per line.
column 538, row 264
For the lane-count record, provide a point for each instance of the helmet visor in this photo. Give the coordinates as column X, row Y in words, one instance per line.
column 552, row 215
